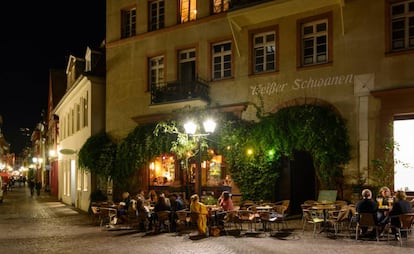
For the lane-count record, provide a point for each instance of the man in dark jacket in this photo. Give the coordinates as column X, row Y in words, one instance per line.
column 367, row 205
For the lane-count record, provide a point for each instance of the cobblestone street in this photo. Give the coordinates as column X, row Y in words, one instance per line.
column 41, row 224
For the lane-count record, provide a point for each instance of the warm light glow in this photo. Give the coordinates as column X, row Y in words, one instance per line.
column 404, row 138
column 52, row 153
column 190, row 127
column 209, row 125
column 249, row 152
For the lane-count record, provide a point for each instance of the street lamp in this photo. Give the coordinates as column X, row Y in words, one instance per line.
column 191, row 129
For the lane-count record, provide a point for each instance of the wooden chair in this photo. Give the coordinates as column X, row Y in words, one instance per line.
column 143, row 220
column 278, row 216
column 163, row 220
column 406, row 222
column 183, row 220
column 367, row 220
column 231, row 220
column 338, row 220
column 246, row 216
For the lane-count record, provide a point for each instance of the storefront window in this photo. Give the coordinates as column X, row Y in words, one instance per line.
column 214, row 171
column 162, row 170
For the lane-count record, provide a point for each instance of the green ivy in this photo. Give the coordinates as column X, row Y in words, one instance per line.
column 316, row 129
column 97, row 155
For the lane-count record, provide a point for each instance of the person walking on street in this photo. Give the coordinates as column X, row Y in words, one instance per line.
column 31, row 186
column 38, row 187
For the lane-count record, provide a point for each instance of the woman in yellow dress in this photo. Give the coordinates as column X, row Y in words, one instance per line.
column 196, row 207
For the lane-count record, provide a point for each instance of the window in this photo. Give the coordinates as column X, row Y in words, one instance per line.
column 128, row 21
column 264, row 52
column 85, row 111
column 402, row 25
column 156, row 14
column 187, row 61
column 156, row 68
column 315, row 34
column 221, row 60
column 214, row 171
column 220, row 5
column 188, row 10
column 162, row 170
column 78, row 117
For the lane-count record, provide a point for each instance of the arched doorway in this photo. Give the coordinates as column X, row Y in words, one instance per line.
column 297, row 181
column 310, row 126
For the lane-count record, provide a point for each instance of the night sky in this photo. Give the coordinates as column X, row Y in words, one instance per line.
column 35, row 37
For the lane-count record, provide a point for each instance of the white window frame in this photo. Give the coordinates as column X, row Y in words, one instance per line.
column 221, row 60
column 156, row 72
column 156, row 14
column 129, row 22
column 264, row 51
column 315, row 57
column 406, row 41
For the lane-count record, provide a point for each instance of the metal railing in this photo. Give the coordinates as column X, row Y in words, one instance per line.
column 179, row 90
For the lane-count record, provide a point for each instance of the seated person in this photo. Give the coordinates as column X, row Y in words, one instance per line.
column 142, row 214
column 123, row 207
column 199, row 209
column 177, row 204
column 387, row 200
column 366, row 205
column 401, row 206
column 226, row 203
column 161, row 205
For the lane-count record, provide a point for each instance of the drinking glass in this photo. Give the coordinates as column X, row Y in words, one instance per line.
column 379, row 200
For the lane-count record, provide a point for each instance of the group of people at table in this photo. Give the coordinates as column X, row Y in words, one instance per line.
column 385, row 209
column 148, row 208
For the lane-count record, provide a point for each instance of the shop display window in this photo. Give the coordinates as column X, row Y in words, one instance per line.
column 162, row 170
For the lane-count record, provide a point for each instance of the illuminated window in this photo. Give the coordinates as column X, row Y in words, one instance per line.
column 220, row 5
column 128, row 22
column 214, row 171
column 188, row 10
column 162, row 170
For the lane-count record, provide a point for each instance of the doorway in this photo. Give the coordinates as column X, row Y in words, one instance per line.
column 403, row 154
column 297, row 181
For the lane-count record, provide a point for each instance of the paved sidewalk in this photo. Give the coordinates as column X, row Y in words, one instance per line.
column 45, row 225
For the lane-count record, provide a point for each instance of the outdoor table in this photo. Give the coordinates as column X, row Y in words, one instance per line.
column 263, row 208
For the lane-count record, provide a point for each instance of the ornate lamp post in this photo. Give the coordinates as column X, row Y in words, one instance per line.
column 191, row 129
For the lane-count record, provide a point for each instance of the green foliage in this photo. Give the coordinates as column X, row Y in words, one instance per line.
column 210, row 200
column 138, row 148
column 97, row 155
column 383, row 166
column 255, row 174
column 318, row 130
column 311, row 128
